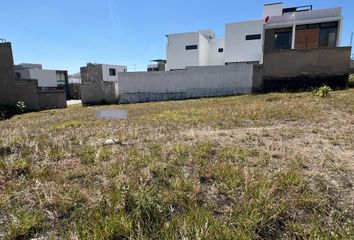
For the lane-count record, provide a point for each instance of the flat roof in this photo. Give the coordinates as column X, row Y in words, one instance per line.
column 270, row 4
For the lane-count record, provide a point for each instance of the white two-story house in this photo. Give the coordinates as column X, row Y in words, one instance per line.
column 279, row 28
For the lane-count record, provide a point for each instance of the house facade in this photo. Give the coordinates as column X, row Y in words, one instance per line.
column 279, row 29
column 47, row 79
column 200, row 48
column 101, row 72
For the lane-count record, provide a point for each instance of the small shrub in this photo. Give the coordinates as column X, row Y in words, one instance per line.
column 21, row 105
column 24, row 226
column 105, row 154
column 88, row 155
column 322, row 91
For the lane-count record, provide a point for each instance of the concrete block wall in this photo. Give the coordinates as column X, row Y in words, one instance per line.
column 351, row 66
column 99, row 92
column 7, row 74
column 27, row 91
column 193, row 82
column 307, row 61
column 306, row 68
column 52, row 99
column 91, row 73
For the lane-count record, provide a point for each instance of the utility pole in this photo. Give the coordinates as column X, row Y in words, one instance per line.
column 351, row 44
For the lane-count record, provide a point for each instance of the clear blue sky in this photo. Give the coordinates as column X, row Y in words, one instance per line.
column 66, row 34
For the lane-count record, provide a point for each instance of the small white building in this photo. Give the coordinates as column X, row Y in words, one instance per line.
column 279, row 28
column 47, row 79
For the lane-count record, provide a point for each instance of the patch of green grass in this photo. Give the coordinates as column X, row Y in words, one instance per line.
column 88, row 155
column 67, row 124
column 24, row 225
column 105, row 154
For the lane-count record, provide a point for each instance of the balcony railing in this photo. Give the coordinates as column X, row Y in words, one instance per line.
column 306, row 16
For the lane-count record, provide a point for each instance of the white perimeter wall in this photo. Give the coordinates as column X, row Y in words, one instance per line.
column 105, row 72
column 177, row 55
column 193, row 82
column 237, row 48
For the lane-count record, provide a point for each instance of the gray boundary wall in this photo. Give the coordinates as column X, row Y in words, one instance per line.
column 99, row 92
column 52, row 99
column 193, row 82
column 351, row 66
column 295, row 62
column 299, row 69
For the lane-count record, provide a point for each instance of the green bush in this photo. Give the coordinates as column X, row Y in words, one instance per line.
column 322, row 91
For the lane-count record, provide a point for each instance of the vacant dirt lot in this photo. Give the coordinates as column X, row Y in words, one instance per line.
column 247, row 167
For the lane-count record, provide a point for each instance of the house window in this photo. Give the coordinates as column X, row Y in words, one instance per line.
column 328, row 34
column 253, row 37
column 316, row 35
column 112, row 72
column 283, row 38
column 191, row 47
column 221, row 50
column 60, row 78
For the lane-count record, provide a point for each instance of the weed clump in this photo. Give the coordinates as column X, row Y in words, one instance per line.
column 88, row 155
column 323, row 91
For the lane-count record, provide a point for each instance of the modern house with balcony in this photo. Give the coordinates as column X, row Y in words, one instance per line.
column 246, row 42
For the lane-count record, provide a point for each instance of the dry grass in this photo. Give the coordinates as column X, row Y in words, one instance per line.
column 247, row 167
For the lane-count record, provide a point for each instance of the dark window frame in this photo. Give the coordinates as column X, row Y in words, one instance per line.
column 325, row 29
column 281, row 32
column 221, row 50
column 191, row 47
column 112, row 72
column 253, row 37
